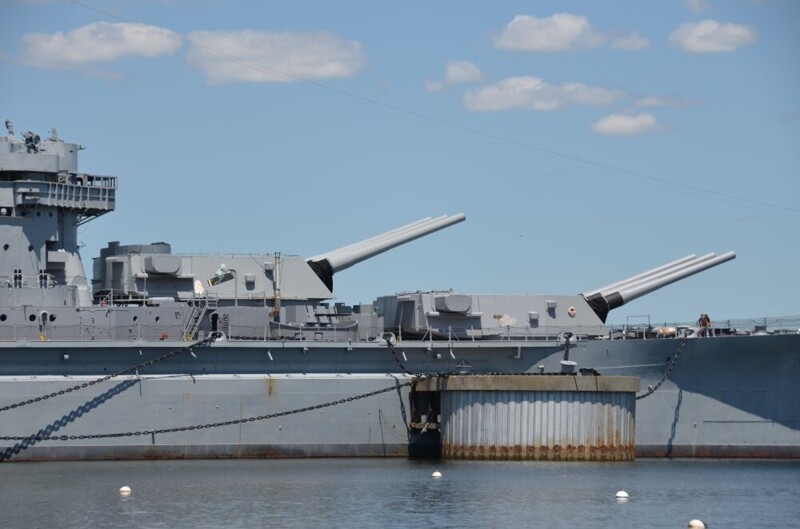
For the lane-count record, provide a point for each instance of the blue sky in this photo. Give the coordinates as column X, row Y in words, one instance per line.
column 585, row 141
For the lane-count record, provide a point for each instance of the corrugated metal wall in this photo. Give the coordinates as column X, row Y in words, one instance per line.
column 538, row 425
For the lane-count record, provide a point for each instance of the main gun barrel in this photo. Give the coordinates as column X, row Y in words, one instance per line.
column 637, row 290
column 352, row 248
column 611, row 288
column 325, row 265
column 609, row 297
column 632, row 282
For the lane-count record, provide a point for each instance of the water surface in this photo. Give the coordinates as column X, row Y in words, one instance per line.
column 394, row 493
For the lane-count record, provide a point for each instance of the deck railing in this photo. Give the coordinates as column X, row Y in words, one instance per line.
column 310, row 333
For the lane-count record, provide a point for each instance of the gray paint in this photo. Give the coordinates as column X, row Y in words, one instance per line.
column 56, row 331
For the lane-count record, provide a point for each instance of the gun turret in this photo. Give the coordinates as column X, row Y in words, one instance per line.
column 327, row 264
column 603, row 300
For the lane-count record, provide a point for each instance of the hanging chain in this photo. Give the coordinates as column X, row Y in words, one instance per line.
column 415, row 378
column 133, row 369
column 37, row 438
column 402, row 366
column 652, row 389
column 211, row 424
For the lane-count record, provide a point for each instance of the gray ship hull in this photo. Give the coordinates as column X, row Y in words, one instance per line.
column 284, row 352
column 725, row 397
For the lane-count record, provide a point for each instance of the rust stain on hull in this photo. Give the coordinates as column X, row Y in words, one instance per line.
column 539, row 453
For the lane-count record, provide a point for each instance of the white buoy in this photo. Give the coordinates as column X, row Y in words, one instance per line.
column 697, row 524
column 436, row 474
column 125, row 490
column 622, row 495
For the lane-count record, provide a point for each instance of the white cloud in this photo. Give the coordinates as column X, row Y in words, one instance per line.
column 559, row 32
column 667, row 101
column 696, row 6
column 462, row 72
column 100, row 42
column 456, row 72
column 626, row 124
column 710, row 36
column 535, row 94
column 632, row 42
column 273, row 57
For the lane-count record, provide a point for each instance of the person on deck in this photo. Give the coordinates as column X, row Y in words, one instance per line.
column 705, row 326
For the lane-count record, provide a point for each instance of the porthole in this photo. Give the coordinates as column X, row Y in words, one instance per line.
column 52, row 317
column 32, row 317
column 38, row 213
column 3, row 317
column 30, row 247
column 135, row 318
column 6, row 247
column 158, row 318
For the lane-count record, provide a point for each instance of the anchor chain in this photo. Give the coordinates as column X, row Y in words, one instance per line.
column 36, row 438
column 395, row 387
column 652, row 389
column 402, row 366
column 211, row 424
column 109, row 377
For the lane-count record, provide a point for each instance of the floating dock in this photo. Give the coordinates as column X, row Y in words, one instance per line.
column 530, row 417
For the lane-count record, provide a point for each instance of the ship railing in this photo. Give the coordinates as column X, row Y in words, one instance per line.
column 233, row 255
column 88, row 333
column 87, row 180
column 543, row 333
column 726, row 327
column 150, row 333
column 100, row 181
column 43, row 280
column 90, row 197
column 304, row 332
column 35, row 331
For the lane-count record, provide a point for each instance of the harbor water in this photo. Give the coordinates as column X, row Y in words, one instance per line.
column 395, row 493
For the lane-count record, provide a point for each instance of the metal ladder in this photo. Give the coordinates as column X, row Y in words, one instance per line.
column 199, row 308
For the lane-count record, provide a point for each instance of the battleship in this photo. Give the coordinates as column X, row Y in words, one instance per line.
column 164, row 355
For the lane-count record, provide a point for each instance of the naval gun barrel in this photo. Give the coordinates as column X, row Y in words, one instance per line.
column 343, row 252
column 617, row 294
column 327, row 264
column 634, row 281
column 613, row 286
